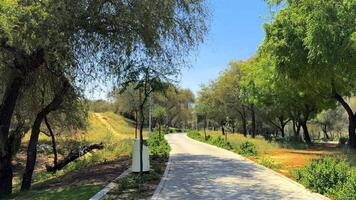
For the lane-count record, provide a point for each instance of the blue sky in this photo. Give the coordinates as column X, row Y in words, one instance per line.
column 235, row 33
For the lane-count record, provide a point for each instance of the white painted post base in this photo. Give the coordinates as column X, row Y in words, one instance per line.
column 136, row 157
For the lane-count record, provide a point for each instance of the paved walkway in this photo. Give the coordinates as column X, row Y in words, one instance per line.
column 202, row 171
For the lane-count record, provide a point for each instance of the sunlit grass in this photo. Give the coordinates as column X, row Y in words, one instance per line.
column 274, row 155
column 114, row 131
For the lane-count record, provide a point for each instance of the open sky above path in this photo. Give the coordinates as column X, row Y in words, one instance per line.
column 235, row 33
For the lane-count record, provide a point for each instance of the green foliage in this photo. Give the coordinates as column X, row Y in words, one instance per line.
column 291, row 143
column 216, row 141
column 195, row 135
column 157, row 145
column 269, row 162
column 347, row 190
column 83, row 192
column 100, row 106
column 219, row 142
column 247, row 148
column 323, row 175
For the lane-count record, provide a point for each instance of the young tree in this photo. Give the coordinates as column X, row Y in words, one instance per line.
column 159, row 114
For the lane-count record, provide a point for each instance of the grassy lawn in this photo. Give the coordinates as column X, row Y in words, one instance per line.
column 86, row 176
column 284, row 157
column 77, row 192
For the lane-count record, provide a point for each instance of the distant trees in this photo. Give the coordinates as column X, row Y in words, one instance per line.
column 171, row 105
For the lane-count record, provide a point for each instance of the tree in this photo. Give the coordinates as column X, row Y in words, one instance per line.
column 127, row 102
column 314, row 44
column 85, row 39
column 178, row 104
column 160, row 115
column 202, row 111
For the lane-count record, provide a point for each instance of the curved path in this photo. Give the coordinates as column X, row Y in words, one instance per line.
column 201, row 171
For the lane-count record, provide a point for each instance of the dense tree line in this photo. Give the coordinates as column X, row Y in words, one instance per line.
column 171, row 106
column 303, row 73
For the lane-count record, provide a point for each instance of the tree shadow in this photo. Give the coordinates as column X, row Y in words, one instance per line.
column 209, row 177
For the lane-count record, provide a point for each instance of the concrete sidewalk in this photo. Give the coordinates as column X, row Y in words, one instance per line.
column 202, row 171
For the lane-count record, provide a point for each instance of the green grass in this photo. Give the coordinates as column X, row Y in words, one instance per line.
column 117, row 140
column 66, row 193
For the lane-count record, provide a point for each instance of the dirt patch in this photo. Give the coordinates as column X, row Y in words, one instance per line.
column 292, row 158
column 99, row 174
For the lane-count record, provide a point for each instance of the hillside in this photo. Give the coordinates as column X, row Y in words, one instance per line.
column 88, row 174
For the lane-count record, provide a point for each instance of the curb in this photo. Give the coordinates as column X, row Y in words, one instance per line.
column 262, row 167
column 109, row 186
column 164, row 178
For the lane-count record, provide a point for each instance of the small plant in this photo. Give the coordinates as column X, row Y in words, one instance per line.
column 220, row 142
column 269, row 162
column 247, row 148
column 157, row 145
column 323, row 175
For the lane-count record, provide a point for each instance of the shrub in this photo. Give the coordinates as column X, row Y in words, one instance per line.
column 269, row 162
column 219, row 142
column 342, row 141
column 323, row 175
column 291, row 143
column 247, row 148
column 157, row 145
column 196, row 135
column 347, row 190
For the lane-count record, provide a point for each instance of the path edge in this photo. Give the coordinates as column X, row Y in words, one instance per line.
column 99, row 195
column 263, row 167
column 163, row 180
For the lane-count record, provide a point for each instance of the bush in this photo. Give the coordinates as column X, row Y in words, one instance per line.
column 291, row 143
column 195, row 135
column 323, row 175
column 269, row 162
column 342, row 141
column 247, row 149
column 347, row 190
column 157, row 145
column 219, row 142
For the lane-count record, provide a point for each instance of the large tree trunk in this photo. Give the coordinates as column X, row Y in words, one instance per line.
column 32, row 146
column 6, row 111
column 23, row 65
column 352, row 134
column 253, row 121
column 283, row 124
column 352, row 119
column 306, row 131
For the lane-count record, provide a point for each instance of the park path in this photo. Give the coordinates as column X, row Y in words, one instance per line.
column 201, row 171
